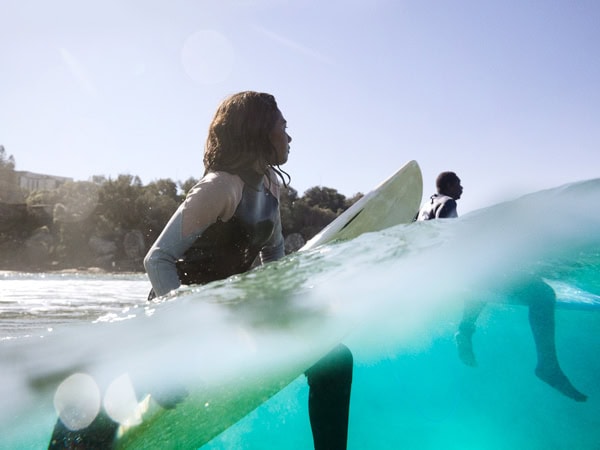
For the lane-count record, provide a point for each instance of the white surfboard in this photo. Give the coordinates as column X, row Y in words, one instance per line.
column 394, row 201
column 210, row 409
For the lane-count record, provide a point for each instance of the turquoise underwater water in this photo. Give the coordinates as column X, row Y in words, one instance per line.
column 422, row 397
column 395, row 298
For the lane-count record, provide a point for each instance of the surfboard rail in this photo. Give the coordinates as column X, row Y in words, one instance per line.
column 394, row 201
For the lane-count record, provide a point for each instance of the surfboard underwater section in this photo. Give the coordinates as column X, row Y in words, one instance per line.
column 396, row 200
column 206, row 411
column 209, row 410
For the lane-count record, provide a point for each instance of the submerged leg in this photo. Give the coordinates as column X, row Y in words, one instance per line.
column 330, row 381
column 464, row 335
column 542, row 300
column 99, row 434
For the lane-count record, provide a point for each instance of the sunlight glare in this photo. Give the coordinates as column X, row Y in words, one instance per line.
column 207, row 57
column 77, row 401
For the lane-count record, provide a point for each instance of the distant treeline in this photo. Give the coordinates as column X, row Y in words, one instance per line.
column 110, row 223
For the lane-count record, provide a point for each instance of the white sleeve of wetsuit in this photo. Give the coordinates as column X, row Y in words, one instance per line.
column 213, row 198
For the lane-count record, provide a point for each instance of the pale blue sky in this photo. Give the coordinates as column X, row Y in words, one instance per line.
column 506, row 93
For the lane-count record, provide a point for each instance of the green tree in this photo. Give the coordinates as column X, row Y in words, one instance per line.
column 118, row 205
column 79, row 199
column 325, row 198
column 287, row 201
column 312, row 219
column 9, row 188
column 43, row 198
column 6, row 161
column 309, row 214
column 75, row 204
column 157, row 204
column 99, row 179
column 187, row 185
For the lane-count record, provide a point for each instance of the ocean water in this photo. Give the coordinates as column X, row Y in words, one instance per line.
column 394, row 298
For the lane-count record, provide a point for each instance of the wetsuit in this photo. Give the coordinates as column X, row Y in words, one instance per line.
column 225, row 240
column 225, row 222
column 439, row 207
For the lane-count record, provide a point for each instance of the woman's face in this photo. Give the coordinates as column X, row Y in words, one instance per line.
column 280, row 140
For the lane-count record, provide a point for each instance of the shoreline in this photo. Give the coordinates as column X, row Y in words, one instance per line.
column 75, row 271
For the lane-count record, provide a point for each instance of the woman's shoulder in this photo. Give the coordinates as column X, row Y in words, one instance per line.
column 218, row 181
column 230, row 184
column 217, row 187
column 216, row 195
column 221, row 177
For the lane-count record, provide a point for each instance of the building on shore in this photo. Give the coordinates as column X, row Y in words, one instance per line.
column 31, row 181
column 16, row 188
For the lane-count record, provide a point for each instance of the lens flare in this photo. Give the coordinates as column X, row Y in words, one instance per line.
column 120, row 402
column 207, row 57
column 77, row 401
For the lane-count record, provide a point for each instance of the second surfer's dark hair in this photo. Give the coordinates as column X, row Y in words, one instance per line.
column 238, row 136
column 444, row 180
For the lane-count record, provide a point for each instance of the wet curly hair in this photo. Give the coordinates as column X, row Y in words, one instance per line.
column 238, row 136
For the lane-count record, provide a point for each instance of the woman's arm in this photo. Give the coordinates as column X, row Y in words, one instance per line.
column 215, row 197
